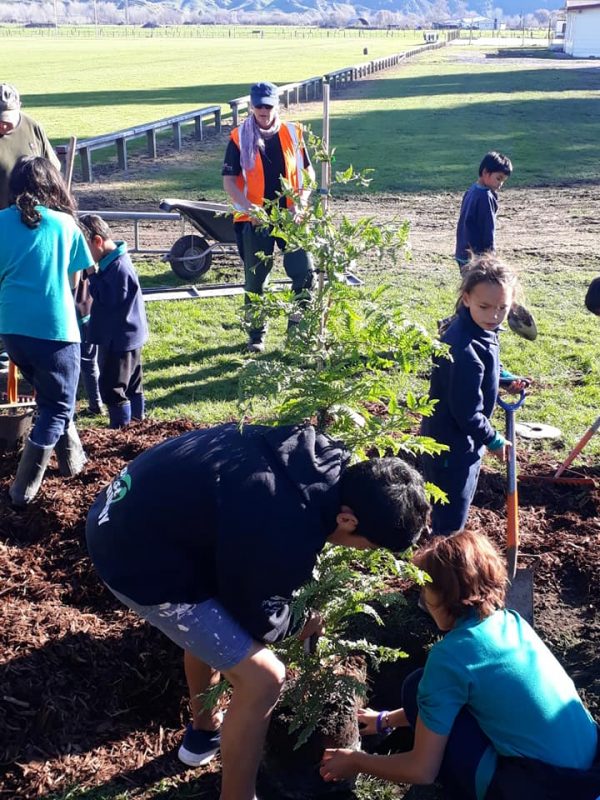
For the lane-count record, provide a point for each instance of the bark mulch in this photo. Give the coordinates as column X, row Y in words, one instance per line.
column 92, row 697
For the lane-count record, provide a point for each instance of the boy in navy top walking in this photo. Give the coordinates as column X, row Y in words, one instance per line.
column 117, row 323
column 476, row 229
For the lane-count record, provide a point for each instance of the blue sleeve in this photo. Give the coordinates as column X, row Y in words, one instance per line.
column 443, row 690
column 80, row 256
column 110, row 288
column 486, row 222
column 465, row 396
column 266, row 619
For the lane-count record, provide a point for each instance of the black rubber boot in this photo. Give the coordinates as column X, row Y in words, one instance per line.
column 69, row 452
column 30, row 473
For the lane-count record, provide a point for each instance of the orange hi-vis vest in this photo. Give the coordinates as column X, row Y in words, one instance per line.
column 252, row 182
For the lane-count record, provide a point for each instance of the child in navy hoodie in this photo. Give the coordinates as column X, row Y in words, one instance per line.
column 465, row 387
column 117, row 323
column 476, row 229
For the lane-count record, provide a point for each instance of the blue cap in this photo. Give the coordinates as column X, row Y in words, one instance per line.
column 264, row 94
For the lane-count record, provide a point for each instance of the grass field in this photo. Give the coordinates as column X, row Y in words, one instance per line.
column 422, row 127
column 92, row 86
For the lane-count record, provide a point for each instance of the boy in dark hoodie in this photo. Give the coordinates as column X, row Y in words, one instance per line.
column 208, row 535
column 117, row 323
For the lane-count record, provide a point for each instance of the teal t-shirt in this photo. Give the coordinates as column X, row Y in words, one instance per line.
column 35, row 296
column 515, row 688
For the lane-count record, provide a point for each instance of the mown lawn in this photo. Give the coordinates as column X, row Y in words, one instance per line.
column 87, row 86
column 423, row 128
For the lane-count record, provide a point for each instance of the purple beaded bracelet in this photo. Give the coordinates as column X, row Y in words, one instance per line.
column 379, row 727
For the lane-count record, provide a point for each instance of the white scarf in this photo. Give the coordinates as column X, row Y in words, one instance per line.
column 252, row 139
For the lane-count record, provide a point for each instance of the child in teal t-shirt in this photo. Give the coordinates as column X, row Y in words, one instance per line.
column 40, row 247
column 495, row 715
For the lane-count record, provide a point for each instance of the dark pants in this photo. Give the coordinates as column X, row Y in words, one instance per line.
column 52, row 368
column 297, row 265
column 90, row 371
column 456, row 473
column 466, row 745
column 120, row 375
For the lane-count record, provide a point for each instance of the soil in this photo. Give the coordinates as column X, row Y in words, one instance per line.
column 92, row 697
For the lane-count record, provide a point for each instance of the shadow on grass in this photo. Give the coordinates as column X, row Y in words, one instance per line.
column 196, row 96
column 529, row 52
column 185, row 359
column 433, row 148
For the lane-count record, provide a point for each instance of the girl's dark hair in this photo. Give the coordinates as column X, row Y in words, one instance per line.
column 486, row 268
column 466, row 571
column 35, row 181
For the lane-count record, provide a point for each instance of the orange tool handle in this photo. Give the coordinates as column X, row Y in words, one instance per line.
column 578, row 448
column 512, row 533
column 12, row 383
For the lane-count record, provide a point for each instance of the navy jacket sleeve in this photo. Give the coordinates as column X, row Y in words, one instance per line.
column 256, row 585
column 486, row 222
column 110, row 292
column 465, row 396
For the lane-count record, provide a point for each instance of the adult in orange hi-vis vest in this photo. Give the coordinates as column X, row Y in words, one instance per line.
column 262, row 151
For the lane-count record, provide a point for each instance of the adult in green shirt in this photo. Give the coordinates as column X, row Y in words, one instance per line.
column 19, row 136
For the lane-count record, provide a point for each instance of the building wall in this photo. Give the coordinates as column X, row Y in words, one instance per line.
column 582, row 34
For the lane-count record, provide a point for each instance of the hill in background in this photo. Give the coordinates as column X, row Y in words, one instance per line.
column 377, row 13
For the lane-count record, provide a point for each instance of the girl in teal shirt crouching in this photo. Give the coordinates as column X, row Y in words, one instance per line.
column 495, row 715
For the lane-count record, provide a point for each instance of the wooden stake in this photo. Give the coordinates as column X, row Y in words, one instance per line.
column 70, row 161
column 325, row 166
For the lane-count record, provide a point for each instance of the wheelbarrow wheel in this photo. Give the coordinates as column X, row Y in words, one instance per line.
column 189, row 257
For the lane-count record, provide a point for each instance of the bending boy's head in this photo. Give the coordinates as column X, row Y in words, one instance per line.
column 98, row 235
column 496, row 162
column 387, row 499
column 592, row 297
column 467, row 574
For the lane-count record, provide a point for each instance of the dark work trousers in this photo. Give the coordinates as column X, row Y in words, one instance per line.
column 466, row 745
column 120, row 375
column 297, row 264
column 90, row 371
column 52, row 368
column 456, row 473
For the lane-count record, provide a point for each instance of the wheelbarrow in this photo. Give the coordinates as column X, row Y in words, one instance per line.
column 519, row 595
column 16, row 415
column 191, row 255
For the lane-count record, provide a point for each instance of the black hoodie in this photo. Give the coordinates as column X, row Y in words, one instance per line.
column 236, row 516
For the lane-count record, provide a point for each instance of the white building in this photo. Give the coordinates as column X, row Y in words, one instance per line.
column 582, row 32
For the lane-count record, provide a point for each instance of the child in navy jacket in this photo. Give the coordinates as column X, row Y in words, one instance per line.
column 465, row 387
column 117, row 323
column 476, row 228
